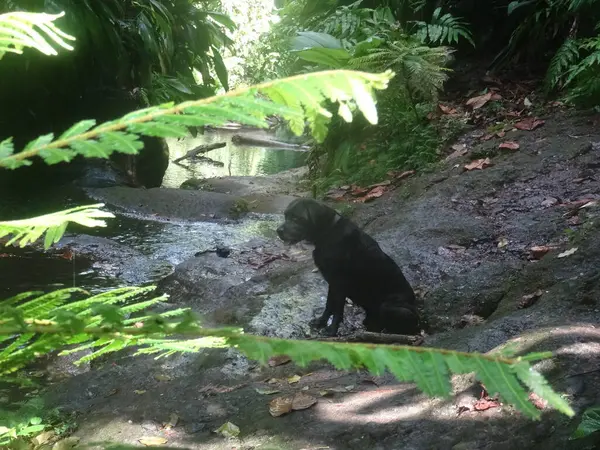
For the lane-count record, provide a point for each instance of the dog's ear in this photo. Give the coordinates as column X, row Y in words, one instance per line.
column 320, row 217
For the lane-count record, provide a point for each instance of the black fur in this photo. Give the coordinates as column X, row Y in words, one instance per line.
column 355, row 267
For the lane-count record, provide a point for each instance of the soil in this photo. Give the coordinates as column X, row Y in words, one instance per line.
column 463, row 239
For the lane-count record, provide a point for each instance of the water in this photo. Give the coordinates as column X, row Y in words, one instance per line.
column 140, row 251
column 231, row 160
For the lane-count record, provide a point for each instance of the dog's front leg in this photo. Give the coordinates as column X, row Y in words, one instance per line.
column 334, row 307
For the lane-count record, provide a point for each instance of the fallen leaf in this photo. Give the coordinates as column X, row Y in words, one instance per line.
column 228, row 430
column 537, row 401
column 267, row 391
column 530, row 299
column 345, row 188
column 373, row 194
column 281, row 405
column 575, row 220
column 41, row 438
column 527, row 102
column 502, row 242
column 529, row 124
column 383, row 183
column 550, row 201
column 539, row 251
column 274, row 380
column 358, row 191
column 495, row 96
column 139, row 391
column 335, row 194
column 111, row 392
column 279, row 360
column 404, row 174
column 162, row 377
column 479, row 164
column 294, row 379
column 303, row 401
column 479, row 101
column 589, row 204
column 459, row 150
column 509, row 145
column 66, row 443
column 152, row 441
column 484, row 404
column 487, row 137
column 447, row 109
column 567, row 253
column 173, row 419
column 501, row 134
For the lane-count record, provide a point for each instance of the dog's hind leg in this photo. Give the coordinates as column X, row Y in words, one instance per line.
column 397, row 319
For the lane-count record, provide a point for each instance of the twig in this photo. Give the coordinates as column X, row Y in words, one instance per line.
column 377, row 338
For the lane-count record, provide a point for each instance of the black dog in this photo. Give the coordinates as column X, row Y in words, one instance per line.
column 355, row 267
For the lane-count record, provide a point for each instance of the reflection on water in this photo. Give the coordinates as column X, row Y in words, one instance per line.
column 231, row 160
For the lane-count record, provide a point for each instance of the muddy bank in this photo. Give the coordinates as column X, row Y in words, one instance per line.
column 463, row 239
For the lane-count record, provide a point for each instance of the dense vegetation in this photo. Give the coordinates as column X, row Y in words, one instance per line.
column 142, row 53
column 422, row 40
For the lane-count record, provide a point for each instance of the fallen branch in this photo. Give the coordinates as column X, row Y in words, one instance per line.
column 376, row 338
column 239, row 139
column 201, row 149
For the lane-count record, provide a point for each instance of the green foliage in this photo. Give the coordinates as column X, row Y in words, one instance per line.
column 297, row 99
column 22, row 422
column 590, row 423
column 421, row 68
column 576, row 67
column 443, row 29
column 18, row 31
column 26, row 231
column 64, row 318
column 90, row 326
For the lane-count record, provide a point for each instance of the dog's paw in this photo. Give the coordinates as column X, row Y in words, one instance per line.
column 329, row 332
column 318, row 323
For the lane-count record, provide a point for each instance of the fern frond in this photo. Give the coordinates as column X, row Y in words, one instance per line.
column 443, row 29
column 18, row 31
column 420, row 67
column 429, row 368
column 298, row 100
column 27, row 231
column 562, row 61
column 56, row 309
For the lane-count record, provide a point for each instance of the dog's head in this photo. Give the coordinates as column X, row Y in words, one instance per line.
column 306, row 219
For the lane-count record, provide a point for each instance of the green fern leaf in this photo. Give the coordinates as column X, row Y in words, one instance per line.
column 122, row 142
column 57, row 155
column 78, row 128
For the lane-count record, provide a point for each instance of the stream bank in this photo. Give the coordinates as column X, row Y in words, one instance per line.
column 462, row 238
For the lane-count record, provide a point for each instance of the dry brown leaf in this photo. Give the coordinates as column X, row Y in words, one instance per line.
column 529, row 124
column 372, row 194
column 459, row 150
column 484, row 404
column 279, row 360
column 383, row 183
column 487, row 137
column 151, row 441
column 530, row 299
column 539, row 251
column 281, row 405
column 479, row 101
column 447, row 109
column 302, row 401
column 478, row 164
column 510, row 145
column 537, row 401
column 501, row 134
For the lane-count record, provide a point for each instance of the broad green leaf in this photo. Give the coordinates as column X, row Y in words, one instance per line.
column 590, row 423
column 334, row 58
column 311, row 39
